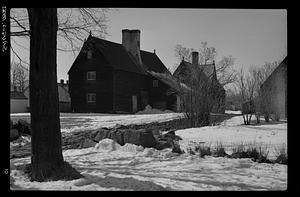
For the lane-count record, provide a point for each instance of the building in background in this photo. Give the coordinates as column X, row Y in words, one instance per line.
column 274, row 92
column 182, row 73
column 63, row 96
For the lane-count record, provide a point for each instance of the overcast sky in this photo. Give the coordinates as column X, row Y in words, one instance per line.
column 252, row 37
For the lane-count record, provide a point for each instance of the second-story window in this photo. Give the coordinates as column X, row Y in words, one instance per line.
column 91, row 75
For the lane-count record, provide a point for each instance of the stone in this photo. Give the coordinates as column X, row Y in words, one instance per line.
column 162, row 144
column 86, row 143
column 14, row 134
column 23, row 127
column 102, row 133
column 141, row 137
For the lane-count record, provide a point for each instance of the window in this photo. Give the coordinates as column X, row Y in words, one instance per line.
column 91, row 97
column 91, row 75
column 155, row 83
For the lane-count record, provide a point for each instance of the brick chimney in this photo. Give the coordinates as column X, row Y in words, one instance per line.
column 131, row 43
column 195, row 58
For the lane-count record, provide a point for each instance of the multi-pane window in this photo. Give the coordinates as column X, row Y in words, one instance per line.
column 155, row 83
column 91, row 75
column 91, row 97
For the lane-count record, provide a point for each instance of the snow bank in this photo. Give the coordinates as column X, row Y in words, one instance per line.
column 107, row 145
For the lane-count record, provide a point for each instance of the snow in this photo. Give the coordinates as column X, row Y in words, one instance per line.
column 110, row 166
column 232, row 112
column 72, row 122
column 232, row 132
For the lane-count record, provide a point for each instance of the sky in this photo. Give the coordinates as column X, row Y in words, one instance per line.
column 251, row 36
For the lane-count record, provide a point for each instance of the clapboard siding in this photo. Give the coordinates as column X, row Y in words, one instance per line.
column 102, row 86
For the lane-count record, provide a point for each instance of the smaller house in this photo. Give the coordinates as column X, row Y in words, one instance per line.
column 63, row 96
column 18, row 102
column 208, row 71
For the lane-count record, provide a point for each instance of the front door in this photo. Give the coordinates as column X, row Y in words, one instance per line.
column 134, row 104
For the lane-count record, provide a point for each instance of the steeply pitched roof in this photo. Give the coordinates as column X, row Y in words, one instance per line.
column 208, row 69
column 152, row 62
column 120, row 59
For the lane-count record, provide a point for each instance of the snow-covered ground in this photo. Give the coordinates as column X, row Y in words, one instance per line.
column 71, row 122
column 230, row 133
column 109, row 166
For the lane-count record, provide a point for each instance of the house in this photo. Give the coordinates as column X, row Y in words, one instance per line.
column 18, row 102
column 63, row 96
column 274, row 92
column 116, row 78
column 208, row 71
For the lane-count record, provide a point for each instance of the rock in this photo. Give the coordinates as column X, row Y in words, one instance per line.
column 119, row 136
column 141, row 137
column 102, row 133
column 14, row 134
column 86, row 143
column 23, row 127
column 162, row 144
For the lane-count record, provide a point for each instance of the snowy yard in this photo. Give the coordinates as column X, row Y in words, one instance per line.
column 109, row 166
column 71, row 122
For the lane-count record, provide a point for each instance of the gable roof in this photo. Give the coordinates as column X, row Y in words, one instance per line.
column 120, row 59
column 208, row 69
column 281, row 67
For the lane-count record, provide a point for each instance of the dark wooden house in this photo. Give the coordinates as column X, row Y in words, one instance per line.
column 112, row 77
column 208, row 71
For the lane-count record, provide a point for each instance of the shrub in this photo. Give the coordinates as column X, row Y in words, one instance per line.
column 219, row 151
column 253, row 151
column 203, row 150
column 281, row 155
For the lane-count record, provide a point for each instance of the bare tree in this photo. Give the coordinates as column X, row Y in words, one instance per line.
column 197, row 96
column 19, row 75
column 224, row 68
column 74, row 25
column 246, row 85
column 259, row 75
column 225, row 72
column 206, row 54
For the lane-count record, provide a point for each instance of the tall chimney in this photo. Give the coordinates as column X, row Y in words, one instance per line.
column 131, row 43
column 195, row 58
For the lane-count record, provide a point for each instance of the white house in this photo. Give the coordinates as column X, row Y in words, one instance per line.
column 63, row 96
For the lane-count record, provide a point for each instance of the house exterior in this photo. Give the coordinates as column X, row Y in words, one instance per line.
column 18, row 102
column 208, row 71
column 63, row 96
column 115, row 78
column 274, row 92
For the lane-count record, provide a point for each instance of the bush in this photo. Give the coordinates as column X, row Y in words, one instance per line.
column 253, row 151
column 281, row 155
column 203, row 150
column 219, row 151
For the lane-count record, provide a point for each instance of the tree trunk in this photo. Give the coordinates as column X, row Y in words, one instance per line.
column 46, row 149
